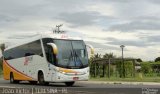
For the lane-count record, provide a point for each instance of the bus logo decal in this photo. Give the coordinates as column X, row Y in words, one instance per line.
column 28, row 59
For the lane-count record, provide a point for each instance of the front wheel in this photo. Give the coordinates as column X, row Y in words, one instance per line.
column 69, row 83
column 41, row 79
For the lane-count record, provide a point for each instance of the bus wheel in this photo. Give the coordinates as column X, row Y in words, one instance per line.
column 12, row 79
column 41, row 79
column 69, row 83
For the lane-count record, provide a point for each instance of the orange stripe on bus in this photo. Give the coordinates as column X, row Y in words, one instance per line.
column 7, row 69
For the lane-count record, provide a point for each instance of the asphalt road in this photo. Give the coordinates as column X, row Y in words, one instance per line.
column 78, row 88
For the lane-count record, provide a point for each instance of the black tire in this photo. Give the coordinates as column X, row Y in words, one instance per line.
column 41, row 79
column 69, row 83
column 12, row 79
column 46, row 83
column 16, row 81
column 33, row 82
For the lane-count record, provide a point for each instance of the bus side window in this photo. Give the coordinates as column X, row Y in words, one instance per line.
column 29, row 54
column 51, row 57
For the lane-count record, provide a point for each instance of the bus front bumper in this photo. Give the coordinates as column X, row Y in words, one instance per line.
column 61, row 77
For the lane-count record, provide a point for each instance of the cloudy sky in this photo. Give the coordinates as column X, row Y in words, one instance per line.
column 106, row 24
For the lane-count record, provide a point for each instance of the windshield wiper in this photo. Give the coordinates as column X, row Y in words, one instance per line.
column 70, row 58
column 73, row 57
column 76, row 56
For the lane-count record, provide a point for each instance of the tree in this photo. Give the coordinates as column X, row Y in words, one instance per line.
column 109, row 55
column 146, row 67
column 0, row 63
column 94, row 65
column 2, row 47
column 139, row 60
column 157, row 59
column 96, row 56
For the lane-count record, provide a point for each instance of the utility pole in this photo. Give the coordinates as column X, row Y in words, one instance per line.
column 109, row 63
column 123, row 71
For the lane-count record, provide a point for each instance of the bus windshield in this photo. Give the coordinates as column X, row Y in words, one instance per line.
column 71, row 54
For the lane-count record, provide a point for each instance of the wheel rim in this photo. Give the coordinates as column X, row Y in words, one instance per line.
column 41, row 79
column 11, row 78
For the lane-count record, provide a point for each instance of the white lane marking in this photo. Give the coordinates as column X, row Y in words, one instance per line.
column 84, row 92
column 7, row 87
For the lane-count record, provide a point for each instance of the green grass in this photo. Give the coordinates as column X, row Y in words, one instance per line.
column 136, row 79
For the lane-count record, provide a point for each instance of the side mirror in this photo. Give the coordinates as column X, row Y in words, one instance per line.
column 54, row 46
column 91, row 48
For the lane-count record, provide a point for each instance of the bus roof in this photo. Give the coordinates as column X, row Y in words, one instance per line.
column 40, row 36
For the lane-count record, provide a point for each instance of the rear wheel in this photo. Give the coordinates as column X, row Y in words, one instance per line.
column 69, row 83
column 12, row 79
column 41, row 79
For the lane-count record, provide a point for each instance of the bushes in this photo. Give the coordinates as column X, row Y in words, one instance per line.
column 0, row 66
column 146, row 67
column 119, row 68
column 149, row 69
column 115, row 69
column 128, row 68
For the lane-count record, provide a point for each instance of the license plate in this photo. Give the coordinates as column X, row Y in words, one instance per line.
column 75, row 78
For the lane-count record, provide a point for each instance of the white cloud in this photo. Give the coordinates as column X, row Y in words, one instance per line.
column 103, row 8
column 104, row 23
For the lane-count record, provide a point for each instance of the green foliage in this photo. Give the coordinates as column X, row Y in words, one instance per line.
column 111, row 70
column 155, row 63
column 146, row 67
column 139, row 60
column 157, row 59
column 119, row 68
column 2, row 47
column 99, row 66
column 94, row 66
column 128, row 69
column 109, row 55
column 100, row 69
column 0, row 63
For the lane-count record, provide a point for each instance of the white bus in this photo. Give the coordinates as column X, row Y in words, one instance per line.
column 45, row 59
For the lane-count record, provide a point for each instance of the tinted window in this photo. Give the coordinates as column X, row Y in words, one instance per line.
column 64, row 52
column 45, row 41
column 71, row 54
column 48, row 49
column 33, row 48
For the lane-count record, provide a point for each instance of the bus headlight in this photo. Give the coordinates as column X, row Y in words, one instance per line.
column 62, row 72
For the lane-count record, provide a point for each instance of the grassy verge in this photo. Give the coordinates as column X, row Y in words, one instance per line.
column 136, row 79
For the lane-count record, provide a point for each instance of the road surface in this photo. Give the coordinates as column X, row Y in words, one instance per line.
column 78, row 88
